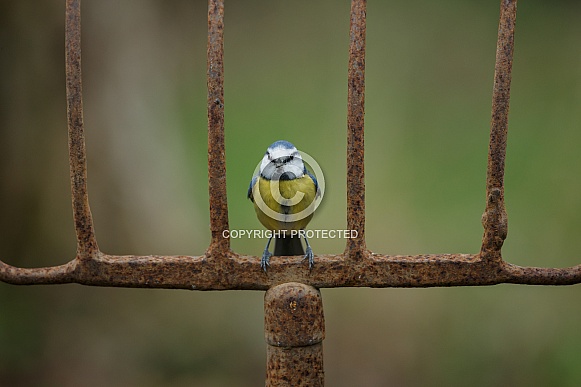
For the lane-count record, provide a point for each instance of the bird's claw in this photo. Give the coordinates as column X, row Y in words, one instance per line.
column 265, row 261
column 310, row 256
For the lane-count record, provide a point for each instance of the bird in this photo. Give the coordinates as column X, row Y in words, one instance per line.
column 283, row 192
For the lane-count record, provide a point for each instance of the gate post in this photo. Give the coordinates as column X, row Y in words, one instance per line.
column 294, row 329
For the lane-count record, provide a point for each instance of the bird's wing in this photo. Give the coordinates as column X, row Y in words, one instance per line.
column 314, row 181
column 252, row 182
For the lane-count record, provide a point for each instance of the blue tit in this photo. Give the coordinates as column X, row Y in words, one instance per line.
column 283, row 192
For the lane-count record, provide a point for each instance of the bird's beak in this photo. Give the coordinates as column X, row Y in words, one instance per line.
column 280, row 161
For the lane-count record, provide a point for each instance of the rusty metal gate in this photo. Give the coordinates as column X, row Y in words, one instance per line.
column 294, row 322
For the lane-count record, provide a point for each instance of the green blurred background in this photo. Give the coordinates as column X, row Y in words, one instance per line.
column 429, row 81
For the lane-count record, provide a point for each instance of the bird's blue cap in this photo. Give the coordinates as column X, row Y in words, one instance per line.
column 281, row 144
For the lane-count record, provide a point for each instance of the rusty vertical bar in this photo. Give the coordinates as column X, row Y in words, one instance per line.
column 494, row 218
column 216, row 146
column 294, row 327
column 86, row 241
column 355, row 123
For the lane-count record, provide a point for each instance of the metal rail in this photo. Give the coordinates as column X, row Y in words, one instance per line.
column 220, row 268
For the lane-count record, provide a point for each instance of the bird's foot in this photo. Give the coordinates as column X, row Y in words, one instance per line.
column 310, row 256
column 265, row 261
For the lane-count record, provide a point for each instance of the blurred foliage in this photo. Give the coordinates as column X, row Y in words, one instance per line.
column 429, row 81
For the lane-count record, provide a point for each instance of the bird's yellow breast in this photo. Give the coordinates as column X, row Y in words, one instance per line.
column 288, row 189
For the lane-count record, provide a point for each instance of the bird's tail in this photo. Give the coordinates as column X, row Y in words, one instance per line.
column 288, row 246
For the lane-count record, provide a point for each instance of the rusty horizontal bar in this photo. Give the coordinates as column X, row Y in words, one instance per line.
column 62, row 274
column 244, row 272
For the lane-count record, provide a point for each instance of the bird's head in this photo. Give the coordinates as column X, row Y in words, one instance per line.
column 282, row 161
